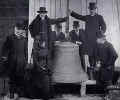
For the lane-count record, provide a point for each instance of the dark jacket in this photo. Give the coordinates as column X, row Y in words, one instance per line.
column 74, row 37
column 35, row 26
column 40, row 30
column 92, row 25
column 81, row 38
column 106, row 54
column 36, row 29
column 15, row 49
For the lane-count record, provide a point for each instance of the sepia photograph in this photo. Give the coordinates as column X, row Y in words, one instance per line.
column 59, row 49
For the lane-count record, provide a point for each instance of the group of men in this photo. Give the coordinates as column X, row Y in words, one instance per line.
column 92, row 42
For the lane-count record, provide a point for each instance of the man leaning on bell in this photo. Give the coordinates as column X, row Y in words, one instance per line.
column 93, row 23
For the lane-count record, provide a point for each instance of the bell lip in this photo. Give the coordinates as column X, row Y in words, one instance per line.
column 65, row 44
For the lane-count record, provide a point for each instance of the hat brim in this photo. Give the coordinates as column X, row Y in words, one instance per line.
column 75, row 25
column 42, row 11
column 101, row 36
column 92, row 8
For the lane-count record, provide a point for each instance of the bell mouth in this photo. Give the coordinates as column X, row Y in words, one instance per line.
column 65, row 44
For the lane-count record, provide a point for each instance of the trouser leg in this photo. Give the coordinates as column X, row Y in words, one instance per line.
column 92, row 65
column 12, row 87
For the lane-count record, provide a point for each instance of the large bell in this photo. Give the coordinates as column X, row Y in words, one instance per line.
column 67, row 65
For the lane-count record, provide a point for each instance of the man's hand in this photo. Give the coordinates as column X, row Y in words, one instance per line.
column 43, row 44
column 78, row 43
column 98, row 64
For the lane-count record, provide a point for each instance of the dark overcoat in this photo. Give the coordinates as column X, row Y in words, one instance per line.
column 36, row 27
column 107, row 55
column 92, row 25
column 40, row 30
column 15, row 49
column 80, row 37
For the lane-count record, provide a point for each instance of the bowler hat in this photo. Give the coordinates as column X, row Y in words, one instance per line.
column 75, row 23
column 42, row 10
column 100, row 34
column 92, row 6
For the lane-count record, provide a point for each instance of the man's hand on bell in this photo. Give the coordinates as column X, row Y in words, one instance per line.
column 78, row 43
column 98, row 65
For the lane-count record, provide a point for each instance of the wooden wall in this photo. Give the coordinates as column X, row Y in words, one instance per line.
column 108, row 8
column 10, row 12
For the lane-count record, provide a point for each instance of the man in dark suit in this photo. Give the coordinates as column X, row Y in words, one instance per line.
column 40, row 30
column 77, row 37
column 15, row 50
column 93, row 23
column 105, row 59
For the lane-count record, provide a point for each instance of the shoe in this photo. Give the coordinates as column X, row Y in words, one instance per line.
column 12, row 96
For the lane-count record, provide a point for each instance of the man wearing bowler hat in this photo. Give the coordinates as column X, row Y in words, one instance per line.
column 75, row 34
column 77, row 37
column 14, row 51
column 93, row 23
column 40, row 30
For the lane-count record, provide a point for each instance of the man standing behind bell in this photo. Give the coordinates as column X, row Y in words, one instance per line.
column 93, row 23
column 40, row 30
column 15, row 52
column 76, row 34
column 77, row 37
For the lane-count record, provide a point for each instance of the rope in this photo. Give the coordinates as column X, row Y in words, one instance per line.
column 61, row 8
column 67, row 23
column 55, row 8
column 117, row 4
column 86, row 7
column 50, row 8
column 81, row 12
column 113, row 10
column 81, row 6
column 44, row 3
column 97, row 5
column 39, row 2
column 34, row 9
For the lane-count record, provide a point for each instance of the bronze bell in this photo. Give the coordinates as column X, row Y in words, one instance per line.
column 67, row 65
